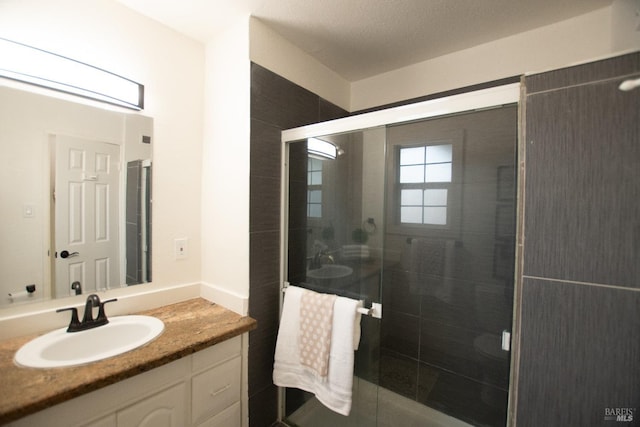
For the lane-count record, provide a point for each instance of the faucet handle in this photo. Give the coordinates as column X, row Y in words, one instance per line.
column 74, row 325
column 102, row 316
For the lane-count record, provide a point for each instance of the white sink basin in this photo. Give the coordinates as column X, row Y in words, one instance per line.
column 60, row 348
column 330, row 271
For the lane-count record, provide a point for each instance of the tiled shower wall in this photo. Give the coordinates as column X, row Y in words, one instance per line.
column 276, row 104
column 580, row 324
column 581, row 293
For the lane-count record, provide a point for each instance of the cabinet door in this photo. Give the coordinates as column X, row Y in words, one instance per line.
column 165, row 409
column 108, row 421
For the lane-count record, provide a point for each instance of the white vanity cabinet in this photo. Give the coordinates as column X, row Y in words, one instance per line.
column 165, row 409
column 215, row 385
column 203, row 389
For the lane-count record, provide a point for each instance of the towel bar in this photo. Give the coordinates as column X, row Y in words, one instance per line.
column 374, row 311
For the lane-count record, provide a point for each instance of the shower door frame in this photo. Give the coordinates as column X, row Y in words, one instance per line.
column 465, row 102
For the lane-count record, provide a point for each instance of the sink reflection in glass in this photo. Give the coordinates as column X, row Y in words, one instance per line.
column 330, row 271
column 60, row 348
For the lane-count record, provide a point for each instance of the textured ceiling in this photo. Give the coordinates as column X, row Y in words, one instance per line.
column 362, row 38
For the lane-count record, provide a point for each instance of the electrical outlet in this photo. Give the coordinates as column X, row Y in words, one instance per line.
column 181, row 248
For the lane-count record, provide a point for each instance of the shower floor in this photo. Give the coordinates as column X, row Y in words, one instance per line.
column 373, row 406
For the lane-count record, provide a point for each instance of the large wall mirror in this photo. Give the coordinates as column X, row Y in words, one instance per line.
column 75, row 197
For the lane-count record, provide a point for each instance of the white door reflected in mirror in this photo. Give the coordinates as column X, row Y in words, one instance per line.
column 86, row 214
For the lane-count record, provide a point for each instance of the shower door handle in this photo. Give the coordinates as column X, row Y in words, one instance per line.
column 506, row 340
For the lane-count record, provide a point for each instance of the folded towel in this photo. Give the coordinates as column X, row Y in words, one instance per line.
column 316, row 321
column 355, row 252
column 334, row 390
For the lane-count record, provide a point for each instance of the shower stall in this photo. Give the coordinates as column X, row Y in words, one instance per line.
column 412, row 208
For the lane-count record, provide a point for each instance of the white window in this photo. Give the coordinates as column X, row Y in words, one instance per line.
column 314, row 188
column 425, row 175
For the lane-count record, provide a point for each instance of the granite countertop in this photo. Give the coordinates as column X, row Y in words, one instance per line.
column 190, row 326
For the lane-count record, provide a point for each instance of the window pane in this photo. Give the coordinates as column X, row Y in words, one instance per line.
column 315, row 164
column 411, row 215
column 439, row 153
column 315, row 211
column 411, row 174
column 314, row 178
column 435, row 215
column 315, row 196
column 411, row 156
column 438, row 173
column 435, row 197
column 411, row 197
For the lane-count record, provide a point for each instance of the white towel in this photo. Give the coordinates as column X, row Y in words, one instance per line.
column 355, row 252
column 334, row 390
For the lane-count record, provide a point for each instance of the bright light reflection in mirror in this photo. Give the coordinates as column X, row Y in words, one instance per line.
column 38, row 67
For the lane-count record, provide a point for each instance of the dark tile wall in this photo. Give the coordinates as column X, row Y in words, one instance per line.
column 276, row 104
column 586, row 355
column 578, row 341
column 133, row 222
column 580, row 322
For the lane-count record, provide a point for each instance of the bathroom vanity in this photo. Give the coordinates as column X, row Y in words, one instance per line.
column 191, row 375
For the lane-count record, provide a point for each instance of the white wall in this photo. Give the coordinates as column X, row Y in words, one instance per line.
column 625, row 24
column 225, row 161
column 587, row 37
column 226, row 146
column 277, row 54
column 106, row 34
column 226, row 151
column 575, row 40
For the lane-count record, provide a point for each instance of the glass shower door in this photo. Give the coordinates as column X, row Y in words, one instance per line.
column 335, row 245
column 419, row 216
column 449, row 267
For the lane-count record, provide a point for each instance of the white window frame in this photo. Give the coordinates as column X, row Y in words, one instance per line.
column 454, row 188
column 314, row 187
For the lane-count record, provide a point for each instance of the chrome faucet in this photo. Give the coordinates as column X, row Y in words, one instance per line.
column 88, row 322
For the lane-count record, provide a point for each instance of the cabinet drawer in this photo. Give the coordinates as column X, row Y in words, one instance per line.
column 216, row 389
column 230, row 417
column 216, row 354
